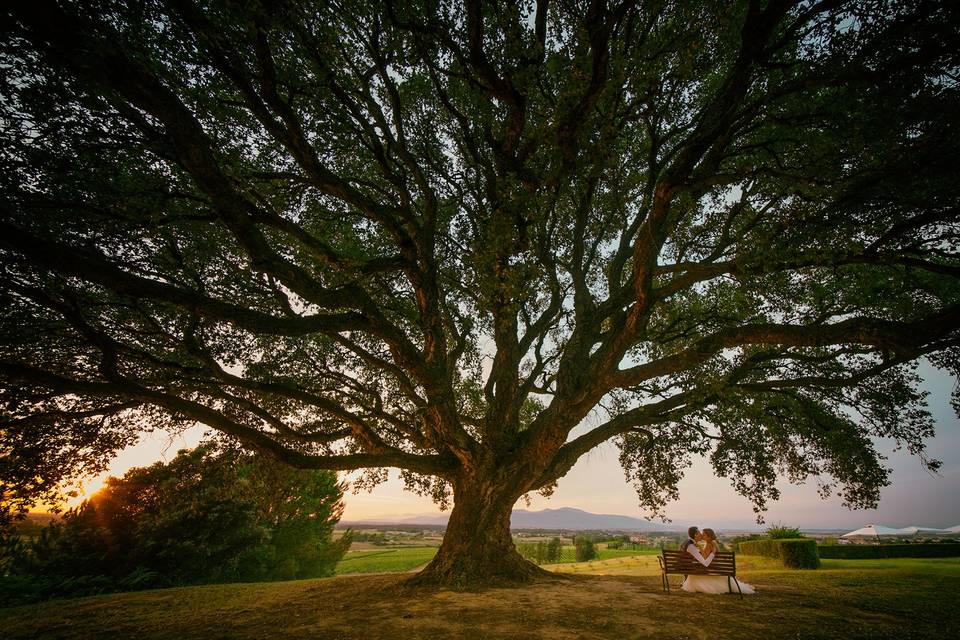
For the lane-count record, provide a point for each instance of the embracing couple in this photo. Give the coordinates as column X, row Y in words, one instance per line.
column 703, row 546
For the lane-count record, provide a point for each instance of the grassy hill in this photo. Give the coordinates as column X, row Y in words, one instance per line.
column 615, row 598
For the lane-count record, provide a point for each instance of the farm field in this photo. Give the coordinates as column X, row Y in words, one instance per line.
column 385, row 560
column 373, row 559
column 606, row 554
column 614, row 598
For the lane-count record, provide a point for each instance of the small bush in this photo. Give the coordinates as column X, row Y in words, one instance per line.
column 781, row 532
column 16, row 589
column 140, row 578
column 799, row 553
column 73, row 586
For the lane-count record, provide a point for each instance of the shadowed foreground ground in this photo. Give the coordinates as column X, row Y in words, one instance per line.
column 850, row 599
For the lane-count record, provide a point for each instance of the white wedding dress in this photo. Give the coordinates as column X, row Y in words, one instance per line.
column 715, row 584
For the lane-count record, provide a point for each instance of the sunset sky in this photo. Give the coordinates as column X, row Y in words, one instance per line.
column 597, row 484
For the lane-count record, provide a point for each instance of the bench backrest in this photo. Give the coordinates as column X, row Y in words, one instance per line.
column 724, row 563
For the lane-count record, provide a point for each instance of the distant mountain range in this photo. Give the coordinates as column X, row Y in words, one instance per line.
column 563, row 518
column 577, row 519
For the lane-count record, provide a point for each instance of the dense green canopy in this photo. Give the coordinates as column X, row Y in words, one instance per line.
column 211, row 514
column 437, row 236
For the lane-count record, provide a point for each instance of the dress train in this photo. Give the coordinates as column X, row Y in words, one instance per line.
column 715, row 584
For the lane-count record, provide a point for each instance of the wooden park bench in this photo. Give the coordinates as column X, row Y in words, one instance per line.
column 724, row 563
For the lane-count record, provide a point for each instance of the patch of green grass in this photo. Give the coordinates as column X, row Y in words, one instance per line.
column 606, row 554
column 568, row 553
column 911, row 589
column 638, row 565
column 385, row 560
column 864, row 592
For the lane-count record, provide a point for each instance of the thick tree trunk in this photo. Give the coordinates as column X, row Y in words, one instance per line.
column 477, row 548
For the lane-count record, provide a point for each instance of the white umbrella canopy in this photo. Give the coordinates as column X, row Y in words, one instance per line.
column 912, row 531
column 874, row 531
column 949, row 532
column 880, row 531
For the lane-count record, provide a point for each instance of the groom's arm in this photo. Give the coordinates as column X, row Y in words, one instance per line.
column 692, row 550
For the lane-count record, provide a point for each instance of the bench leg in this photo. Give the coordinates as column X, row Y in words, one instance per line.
column 738, row 586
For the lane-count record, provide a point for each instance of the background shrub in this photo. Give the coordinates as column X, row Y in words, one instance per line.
column 799, row 553
column 795, row 553
column 780, row 532
column 585, row 548
column 554, row 551
column 533, row 551
column 541, row 552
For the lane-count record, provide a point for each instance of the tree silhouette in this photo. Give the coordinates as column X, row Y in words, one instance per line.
column 211, row 514
column 436, row 237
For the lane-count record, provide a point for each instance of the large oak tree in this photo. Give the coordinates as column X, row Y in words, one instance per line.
column 437, row 236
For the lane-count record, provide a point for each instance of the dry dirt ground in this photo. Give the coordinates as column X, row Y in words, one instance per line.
column 836, row 602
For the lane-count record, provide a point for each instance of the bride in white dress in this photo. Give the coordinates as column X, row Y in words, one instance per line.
column 712, row 584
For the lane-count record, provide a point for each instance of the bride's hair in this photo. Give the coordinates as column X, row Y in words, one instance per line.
column 709, row 532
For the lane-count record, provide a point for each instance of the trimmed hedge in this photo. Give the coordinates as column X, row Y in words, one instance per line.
column 795, row 553
column 874, row 551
